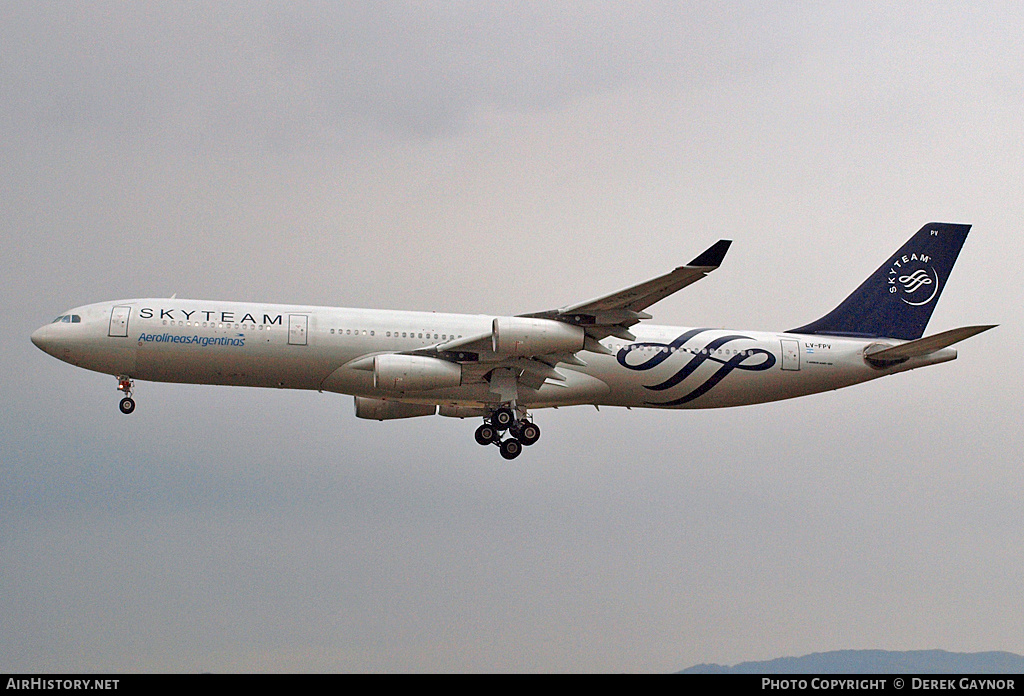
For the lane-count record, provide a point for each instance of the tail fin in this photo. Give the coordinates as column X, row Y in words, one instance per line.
column 898, row 299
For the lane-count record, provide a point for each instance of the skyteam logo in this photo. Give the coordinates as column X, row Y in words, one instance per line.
column 913, row 279
column 717, row 351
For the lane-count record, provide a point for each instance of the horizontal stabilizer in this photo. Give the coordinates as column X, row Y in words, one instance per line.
column 923, row 346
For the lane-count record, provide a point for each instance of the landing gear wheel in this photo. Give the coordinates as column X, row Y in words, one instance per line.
column 486, row 434
column 503, row 418
column 124, row 385
column 511, row 448
column 528, row 433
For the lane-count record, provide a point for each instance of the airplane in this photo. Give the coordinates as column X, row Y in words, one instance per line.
column 404, row 364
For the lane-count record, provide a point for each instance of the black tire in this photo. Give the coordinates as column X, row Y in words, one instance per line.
column 485, row 434
column 503, row 418
column 127, row 405
column 511, row 448
column 529, row 433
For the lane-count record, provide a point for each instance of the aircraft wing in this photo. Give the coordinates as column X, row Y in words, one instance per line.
column 642, row 296
column 612, row 315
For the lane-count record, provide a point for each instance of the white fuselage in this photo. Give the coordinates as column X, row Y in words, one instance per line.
column 304, row 347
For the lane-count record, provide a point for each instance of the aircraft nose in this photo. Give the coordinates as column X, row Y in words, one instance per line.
column 39, row 338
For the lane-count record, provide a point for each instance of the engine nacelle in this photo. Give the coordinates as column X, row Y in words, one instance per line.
column 403, row 373
column 379, row 409
column 525, row 336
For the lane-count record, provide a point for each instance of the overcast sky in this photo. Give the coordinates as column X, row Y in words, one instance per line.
column 505, row 158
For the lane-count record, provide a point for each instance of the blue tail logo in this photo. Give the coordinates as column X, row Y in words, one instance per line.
column 912, row 282
column 921, row 279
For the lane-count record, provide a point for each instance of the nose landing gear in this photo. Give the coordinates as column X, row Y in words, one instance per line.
column 125, row 385
column 522, row 432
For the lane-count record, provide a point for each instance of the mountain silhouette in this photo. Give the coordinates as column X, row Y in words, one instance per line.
column 876, row 662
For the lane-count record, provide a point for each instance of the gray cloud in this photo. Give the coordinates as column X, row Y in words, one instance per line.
column 276, row 69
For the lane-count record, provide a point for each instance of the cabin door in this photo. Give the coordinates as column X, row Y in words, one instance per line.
column 790, row 354
column 119, row 321
column 298, row 326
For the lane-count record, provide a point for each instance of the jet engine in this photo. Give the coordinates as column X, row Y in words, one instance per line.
column 525, row 336
column 379, row 409
column 402, row 373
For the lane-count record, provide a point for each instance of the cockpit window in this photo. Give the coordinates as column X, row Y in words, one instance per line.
column 75, row 319
column 62, row 317
column 67, row 319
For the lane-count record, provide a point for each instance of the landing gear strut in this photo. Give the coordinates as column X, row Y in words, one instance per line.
column 125, row 385
column 522, row 432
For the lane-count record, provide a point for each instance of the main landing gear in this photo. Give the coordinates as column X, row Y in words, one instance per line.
column 523, row 432
column 125, row 385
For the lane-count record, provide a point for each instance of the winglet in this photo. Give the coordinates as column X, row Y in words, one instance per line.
column 712, row 257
